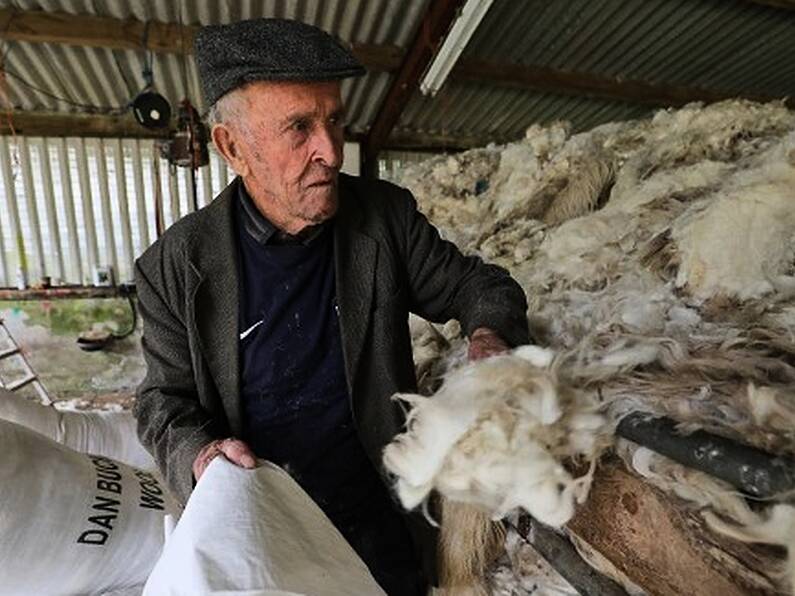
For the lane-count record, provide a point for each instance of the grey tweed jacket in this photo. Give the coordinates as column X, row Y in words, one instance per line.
column 389, row 261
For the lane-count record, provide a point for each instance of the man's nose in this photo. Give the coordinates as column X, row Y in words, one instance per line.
column 327, row 148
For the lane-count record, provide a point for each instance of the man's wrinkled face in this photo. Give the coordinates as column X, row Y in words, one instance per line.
column 290, row 138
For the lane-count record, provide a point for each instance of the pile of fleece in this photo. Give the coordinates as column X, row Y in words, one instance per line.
column 658, row 258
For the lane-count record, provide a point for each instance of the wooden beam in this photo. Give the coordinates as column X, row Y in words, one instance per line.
column 52, row 124
column 64, row 124
column 547, row 80
column 130, row 34
column 663, row 546
column 418, row 141
column 88, row 30
column 378, row 58
column 430, row 35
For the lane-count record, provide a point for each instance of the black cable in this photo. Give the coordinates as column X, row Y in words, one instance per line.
column 128, row 290
column 183, row 55
column 93, row 108
column 91, row 343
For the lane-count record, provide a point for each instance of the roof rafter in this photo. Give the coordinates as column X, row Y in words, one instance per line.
column 430, row 35
column 56, row 124
column 548, row 80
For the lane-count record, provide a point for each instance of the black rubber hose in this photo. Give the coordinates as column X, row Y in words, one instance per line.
column 753, row 471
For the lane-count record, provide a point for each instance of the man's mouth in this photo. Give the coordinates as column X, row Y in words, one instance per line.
column 324, row 182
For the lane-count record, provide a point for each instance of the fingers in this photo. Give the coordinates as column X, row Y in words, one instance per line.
column 234, row 450
column 484, row 343
column 238, row 453
column 204, row 457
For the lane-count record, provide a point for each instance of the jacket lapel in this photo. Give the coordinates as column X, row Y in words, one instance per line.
column 215, row 302
column 355, row 257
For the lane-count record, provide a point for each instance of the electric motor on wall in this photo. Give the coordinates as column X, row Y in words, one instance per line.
column 187, row 147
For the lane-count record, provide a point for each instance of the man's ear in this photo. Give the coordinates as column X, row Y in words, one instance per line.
column 225, row 141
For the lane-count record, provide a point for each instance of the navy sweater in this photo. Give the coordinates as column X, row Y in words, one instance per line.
column 295, row 402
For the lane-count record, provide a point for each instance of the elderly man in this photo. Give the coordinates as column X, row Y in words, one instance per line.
column 275, row 319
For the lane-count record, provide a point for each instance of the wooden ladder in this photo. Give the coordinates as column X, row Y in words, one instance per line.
column 11, row 349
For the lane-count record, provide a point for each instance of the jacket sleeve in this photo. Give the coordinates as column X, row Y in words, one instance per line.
column 444, row 284
column 172, row 424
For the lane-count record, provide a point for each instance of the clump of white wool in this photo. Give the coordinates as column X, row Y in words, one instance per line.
column 496, row 435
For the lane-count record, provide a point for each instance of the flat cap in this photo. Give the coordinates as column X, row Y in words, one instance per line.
column 229, row 56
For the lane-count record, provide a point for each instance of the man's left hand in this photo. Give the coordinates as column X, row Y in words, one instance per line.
column 484, row 343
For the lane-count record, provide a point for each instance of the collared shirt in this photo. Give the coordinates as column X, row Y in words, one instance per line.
column 263, row 231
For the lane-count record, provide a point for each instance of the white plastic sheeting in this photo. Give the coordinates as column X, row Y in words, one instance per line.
column 256, row 533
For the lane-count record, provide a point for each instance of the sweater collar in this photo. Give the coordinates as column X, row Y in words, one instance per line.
column 261, row 229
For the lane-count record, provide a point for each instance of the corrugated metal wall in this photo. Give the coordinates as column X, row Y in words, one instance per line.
column 71, row 206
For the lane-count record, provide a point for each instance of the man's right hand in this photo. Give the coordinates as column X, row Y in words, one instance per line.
column 234, row 450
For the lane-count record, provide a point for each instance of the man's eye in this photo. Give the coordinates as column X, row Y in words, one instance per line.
column 300, row 126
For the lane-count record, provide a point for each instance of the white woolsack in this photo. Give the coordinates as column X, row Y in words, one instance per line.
column 106, row 433
column 73, row 523
column 495, row 435
column 256, row 533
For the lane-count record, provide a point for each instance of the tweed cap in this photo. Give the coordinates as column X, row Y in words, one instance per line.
column 229, row 56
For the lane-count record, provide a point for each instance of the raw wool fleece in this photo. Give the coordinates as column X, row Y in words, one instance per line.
column 469, row 545
column 674, row 289
column 725, row 510
column 776, row 526
column 677, row 291
column 493, row 439
column 495, row 435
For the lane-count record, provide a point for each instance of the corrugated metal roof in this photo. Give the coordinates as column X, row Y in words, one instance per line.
column 110, row 78
column 479, row 114
column 724, row 45
column 729, row 46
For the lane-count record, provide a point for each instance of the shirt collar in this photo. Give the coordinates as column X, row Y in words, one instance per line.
column 261, row 229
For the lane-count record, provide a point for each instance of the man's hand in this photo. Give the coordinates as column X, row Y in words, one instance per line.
column 234, row 450
column 484, row 343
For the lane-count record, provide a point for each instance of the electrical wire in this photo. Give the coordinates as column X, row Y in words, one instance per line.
column 183, row 55
column 85, row 106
